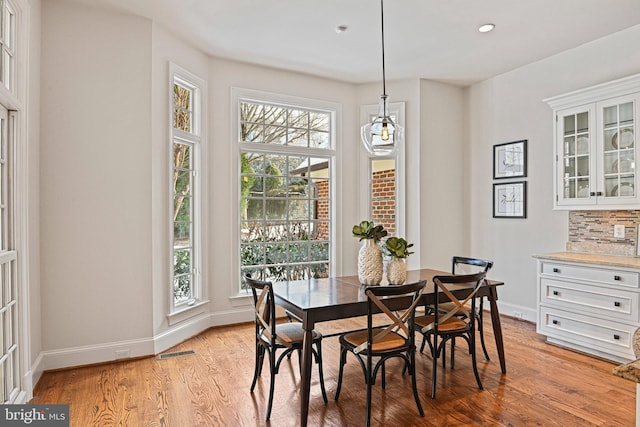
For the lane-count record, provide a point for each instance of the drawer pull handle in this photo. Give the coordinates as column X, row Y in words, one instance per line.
column 616, row 337
column 556, row 293
column 599, row 193
column 556, row 270
column 555, row 322
column 617, row 278
column 616, row 303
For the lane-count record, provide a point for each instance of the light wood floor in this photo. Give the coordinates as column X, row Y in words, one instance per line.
column 544, row 386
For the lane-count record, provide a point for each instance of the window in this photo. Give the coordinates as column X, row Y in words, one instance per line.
column 9, row 363
column 7, row 44
column 285, row 186
column 386, row 183
column 186, row 140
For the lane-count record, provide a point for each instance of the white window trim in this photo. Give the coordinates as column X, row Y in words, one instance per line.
column 17, row 103
column 197, row 305
column 367, row 112
column 236, row 296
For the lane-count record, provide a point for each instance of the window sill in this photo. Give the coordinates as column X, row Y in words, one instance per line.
column 188, row 312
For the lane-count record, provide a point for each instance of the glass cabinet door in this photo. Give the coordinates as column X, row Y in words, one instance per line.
column 618, row 145
column 576, row 156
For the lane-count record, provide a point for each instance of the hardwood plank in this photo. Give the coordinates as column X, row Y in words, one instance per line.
column 545, row 385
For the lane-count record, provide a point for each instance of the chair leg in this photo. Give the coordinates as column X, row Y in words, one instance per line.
column 384, row 382
column 343, row 360
column 444, row 354
column 320, row 373
column 370, row 379
column 481, row 329
column 272, row 365
column 453, row 351
column 434, row 366
column 412, row 372
column 472, row 343
column 258, row 367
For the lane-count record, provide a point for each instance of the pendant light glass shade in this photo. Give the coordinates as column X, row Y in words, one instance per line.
column 382, row 135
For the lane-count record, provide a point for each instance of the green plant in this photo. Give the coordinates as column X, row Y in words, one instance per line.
column 368, row 230
column 397, row 247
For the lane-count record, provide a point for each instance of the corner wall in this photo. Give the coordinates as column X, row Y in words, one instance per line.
column 507, row 108
column 95, row 182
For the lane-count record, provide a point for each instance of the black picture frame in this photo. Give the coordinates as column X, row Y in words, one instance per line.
column 510, row 200
column 510, row 160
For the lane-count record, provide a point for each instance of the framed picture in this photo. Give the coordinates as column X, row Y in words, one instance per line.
column 510, row 160
column 510, row 200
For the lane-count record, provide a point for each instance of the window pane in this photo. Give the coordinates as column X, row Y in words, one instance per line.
column 182, row 208
column 183, row 108
column 182, row 234
column 319, row 139
column 383, row 194
column 299, row 119
column 320, row 121
column 183, row 183
column 281, row 216
column 274, row 124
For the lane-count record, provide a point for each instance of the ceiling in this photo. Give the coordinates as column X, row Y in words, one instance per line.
column 431, row 39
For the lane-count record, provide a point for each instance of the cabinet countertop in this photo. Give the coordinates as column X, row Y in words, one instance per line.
column 596, row 259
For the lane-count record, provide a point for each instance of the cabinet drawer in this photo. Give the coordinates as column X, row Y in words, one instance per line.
column 615, row 277
column 599, row 334
column 600, row 301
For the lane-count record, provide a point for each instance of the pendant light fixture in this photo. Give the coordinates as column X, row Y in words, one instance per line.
column 382, row 136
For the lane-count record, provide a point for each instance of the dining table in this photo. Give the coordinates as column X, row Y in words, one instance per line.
column 325, row 299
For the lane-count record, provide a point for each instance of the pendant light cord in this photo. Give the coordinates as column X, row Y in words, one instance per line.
column 384, row 85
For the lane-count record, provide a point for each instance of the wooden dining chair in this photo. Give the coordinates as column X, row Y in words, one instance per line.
column 271, row 337
column 438, row 327
column 394, row 340
column 465, row 265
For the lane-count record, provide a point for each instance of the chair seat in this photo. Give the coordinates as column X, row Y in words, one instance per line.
column 453, row 324
column 391, row 341
column 291, row 334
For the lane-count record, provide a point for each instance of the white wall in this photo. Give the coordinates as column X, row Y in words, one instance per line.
column 508, row 108
column 443, row 175
column 95, row 177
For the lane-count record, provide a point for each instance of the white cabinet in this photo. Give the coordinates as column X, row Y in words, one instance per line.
column 595, row 146
column 590, row 308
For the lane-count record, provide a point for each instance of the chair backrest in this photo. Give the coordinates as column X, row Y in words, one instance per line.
column 458, row 264
column 400, row 311
column 263, row 305
column 465, row 286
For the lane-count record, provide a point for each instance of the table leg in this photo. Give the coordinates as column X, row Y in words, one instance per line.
column 497, row 327
column 305, row 375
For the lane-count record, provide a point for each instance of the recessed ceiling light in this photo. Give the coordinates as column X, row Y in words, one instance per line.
column 486, row 28
column 341, row 29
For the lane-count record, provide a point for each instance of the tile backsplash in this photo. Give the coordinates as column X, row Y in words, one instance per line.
column 592, row 232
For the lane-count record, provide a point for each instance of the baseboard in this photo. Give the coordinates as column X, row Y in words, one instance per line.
column 109, row 352
column 92, row 354
column 181, row 332
column 517, row 311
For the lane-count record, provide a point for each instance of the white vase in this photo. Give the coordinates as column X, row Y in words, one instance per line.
column 370, row 263
column 397, row 271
